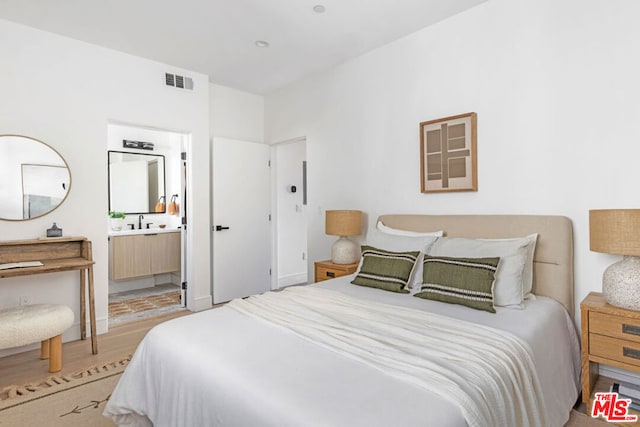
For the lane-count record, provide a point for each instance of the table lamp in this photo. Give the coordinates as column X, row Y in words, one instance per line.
column 617, row 231
column 344, row 224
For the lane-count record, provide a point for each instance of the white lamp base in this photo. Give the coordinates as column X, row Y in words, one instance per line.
column 621, row 283
column 344, row 251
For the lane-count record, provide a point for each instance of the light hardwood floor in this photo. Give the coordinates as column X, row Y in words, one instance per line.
column 120, row 341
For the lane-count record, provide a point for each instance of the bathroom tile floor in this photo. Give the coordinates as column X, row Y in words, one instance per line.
column 143, row 303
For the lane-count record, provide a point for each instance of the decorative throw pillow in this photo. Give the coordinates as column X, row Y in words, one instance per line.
column 515, row 272
column 464, row 281
column 386, row 270
column 398, row 243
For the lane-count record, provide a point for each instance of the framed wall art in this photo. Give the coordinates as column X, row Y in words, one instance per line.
column 448, row 154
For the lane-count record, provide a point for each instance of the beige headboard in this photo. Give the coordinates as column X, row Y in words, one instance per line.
column 553, row 258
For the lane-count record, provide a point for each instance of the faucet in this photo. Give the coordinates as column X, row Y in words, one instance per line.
column 140, row 222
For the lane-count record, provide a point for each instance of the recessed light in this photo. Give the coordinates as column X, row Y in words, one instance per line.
column 319, row 8
column 262, row 43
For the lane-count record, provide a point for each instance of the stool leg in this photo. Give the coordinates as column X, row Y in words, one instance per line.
column 44, row 349
column 55, row 348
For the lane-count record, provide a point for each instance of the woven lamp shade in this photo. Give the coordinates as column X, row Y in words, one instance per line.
column 615, row 231
column 343, row 223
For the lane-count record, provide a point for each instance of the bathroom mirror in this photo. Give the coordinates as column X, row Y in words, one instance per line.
column 34, row 178
column 136, row 182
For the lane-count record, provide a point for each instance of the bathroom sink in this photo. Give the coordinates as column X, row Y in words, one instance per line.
column 154, row 230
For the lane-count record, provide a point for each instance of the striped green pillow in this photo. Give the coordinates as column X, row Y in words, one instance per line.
column 465, row 281
column 386, row 270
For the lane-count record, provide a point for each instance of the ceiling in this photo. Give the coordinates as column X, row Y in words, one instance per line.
column 217, row 37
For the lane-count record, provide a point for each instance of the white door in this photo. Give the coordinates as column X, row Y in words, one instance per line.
column 241, row 202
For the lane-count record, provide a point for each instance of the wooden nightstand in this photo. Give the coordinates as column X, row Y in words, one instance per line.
column 326, row 270
column 611, row 336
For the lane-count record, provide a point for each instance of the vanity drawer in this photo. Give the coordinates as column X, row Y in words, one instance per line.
column 614, row 349
column 614, row 326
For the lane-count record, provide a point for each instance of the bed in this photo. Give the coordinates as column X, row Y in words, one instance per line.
column 237, row 367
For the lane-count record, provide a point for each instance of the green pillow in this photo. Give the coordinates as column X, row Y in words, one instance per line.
column 465, row 281
column 386, row 270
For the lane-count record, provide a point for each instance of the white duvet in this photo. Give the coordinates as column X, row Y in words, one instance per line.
column 223, row 367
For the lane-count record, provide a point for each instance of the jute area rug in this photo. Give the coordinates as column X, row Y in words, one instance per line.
column 71, row 400
column 579, row 419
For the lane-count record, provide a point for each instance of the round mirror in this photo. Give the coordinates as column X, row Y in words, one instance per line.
column 34, row 178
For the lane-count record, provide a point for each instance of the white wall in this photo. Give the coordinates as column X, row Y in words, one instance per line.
column 236, row 114
column 556, row 89
column 291, row 213
column 64, row 92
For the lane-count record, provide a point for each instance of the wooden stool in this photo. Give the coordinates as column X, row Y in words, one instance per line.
column 39, row 322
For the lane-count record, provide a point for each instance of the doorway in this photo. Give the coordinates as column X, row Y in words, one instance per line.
column 146, row 256
column 290, row 193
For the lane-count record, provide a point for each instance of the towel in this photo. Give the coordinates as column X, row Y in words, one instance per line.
column 173, row 206
column 160, row 205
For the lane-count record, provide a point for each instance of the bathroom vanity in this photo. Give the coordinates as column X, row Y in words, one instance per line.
column 140, row 253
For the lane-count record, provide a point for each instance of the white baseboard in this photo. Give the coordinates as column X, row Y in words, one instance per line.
column 292, row 279
column 202, row 303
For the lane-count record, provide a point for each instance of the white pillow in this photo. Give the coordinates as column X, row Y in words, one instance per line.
column 514, row 277
column 397, row 232
column 527, row 275
column 396, row 243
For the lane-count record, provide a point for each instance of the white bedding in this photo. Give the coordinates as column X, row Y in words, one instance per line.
column 222, row 367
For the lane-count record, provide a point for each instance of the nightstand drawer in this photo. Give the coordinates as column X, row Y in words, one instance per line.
column 326, row 270
column 614, row 349
column 324, row 273
column 614, row 326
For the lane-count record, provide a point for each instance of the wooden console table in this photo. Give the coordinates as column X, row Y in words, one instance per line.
column 57, row 254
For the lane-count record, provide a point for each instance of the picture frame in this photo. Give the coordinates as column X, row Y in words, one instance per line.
column 448, row 154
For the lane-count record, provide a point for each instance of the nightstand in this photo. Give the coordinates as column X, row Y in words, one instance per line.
column 610, row 336
column 326, row 270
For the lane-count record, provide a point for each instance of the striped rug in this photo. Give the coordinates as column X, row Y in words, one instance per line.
column 137, row 305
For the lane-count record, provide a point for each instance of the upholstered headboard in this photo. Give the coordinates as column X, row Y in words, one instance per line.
column 553, row 258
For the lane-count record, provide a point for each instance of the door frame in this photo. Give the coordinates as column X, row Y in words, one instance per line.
column 186, row 232
column 274, row 208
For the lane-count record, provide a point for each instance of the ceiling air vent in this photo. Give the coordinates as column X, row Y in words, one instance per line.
column 180, row 82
